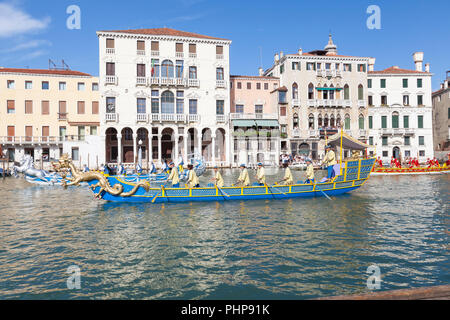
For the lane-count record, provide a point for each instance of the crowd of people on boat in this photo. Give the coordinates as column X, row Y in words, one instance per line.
column 410, row 162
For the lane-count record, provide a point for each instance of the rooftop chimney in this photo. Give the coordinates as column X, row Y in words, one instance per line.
column 418, row 60
column 261, row 72
column 281, row 54
column 427, row 67
column 300, row 51
column 371, row 64
column 276, row 58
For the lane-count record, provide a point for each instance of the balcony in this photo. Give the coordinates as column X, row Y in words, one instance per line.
column 329, row 73
column 409, row 132
column 141, row 81
column 142, row 117
column 386, row 132
column 193, row 83
column 155, row 53
column 62, row 116
column 363, row 133
column 193, row 118
column 347, row 103
column 192, row 55
column 362, row 104
column 311, row 103
column 179, row 82
column 179, row 54
column 296, row 133
column 221, row 84
column 251, row 116
column 296, row 102
column 314, row 133
column 221, row 118
column 111, row 80
column 219, row 56
column 111, row 117
column 338, row 73
column 110, row 51
column 140, row 52
column 30, row 140
column 320, row 73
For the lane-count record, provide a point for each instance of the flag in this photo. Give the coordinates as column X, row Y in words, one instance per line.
column 153, row 67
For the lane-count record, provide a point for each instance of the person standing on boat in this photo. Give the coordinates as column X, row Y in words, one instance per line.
column 244, row 179
column 120, row 170
column 288, row 178
column 309, row 171
column 193, row 181
column 261, row 175
column 173, row 177
column 218, row 180
column 85, row 169
column 329, row 161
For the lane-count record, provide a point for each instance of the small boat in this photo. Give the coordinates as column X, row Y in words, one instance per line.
column 384, row 171
column 351, row 175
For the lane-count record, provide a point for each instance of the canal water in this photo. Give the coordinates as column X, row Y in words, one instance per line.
column 284, row 249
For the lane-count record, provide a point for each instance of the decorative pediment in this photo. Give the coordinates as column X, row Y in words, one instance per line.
column 239, row 101
column 110, row 93
column 142, row 94
column 220, row 97
column 396, row 105
column 141, row 60
column 109, row 59
column 193, row 95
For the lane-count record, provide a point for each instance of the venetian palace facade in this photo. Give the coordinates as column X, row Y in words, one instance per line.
column 165, row 91
column 319, row 92
column 441, row 113
column 400, row 112
column 44, row 113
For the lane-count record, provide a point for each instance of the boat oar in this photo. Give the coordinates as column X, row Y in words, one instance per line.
column 160, row 191
column 317, row 187
column 276, row 190
column 223, row 193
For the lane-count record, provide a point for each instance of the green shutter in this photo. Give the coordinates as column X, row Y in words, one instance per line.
column 370, row 122
column 419, row 83
column 405, row 83
column 361, row 123
column 406, row 122
column 383, row 122
column 383, row 83
column 369, row 83
column 420, row 122
column 347, row 123
column 395, row 122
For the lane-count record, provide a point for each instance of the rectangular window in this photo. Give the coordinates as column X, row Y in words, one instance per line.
column 155, row 105
column 281, row 96
column 383, row 122
column 192, row 72
column 28, row 133
column 141, row 105
column 419, row 83
column 10, row 84
column 239, row 108
column 406, row 122
column 405, row 83
column 385, row 154
column 395, row 124
column 239, row 85
column 347, row 67
column 179, row 69
column 266, row 86
column 249, row 85
column 370, row 141
column 421, row 140
column 93, row 130
column 180, row 106
column 370, row 122
column 110, row 43
column 28, row 107
column 45, row 131
column 370, row 100
column 81, row 86
column 110, row 69
column 45, row 107
column 421, row 153
column 369, row 83
column 219, row 49
column 382, row 83
column 62, row 86
column 361, row 67
column 45, row 85
column 62, row 110
column 11, row 107
column 420, row 100
column 155, row 46
column 258, row 86
column 141, row 45
column 140, row 70
column 420, row 122
column 28, row 85
column 310, row 66
column 384, row 101
column 283, row 111
column 81, row 107
column 179, row 48
column 384, row 141
column 155, row 68
column 295, row 65
column 95, row 108
column 192, row 48
column 94, row 86
column 259, row 109
column 193, row 106
column 220, row 107
column 110, row 105
column 282, row 68
column 407, row 141
column 406, row 100
column 75, row 154
column 219, row 74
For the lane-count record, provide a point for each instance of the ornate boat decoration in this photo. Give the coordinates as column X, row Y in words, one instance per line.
column 410, row 171
column 351, row 176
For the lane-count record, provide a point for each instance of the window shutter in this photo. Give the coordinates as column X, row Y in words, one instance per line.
column 80, row 107
column 45, row 107
column 219, row 49
column 179, row 47
column 141, row 45
column 11, row 105
column 155, row 46
column 28, row 107
column 95, row 107
column 45, row 131
column 11, row 131
column 192, row 48
column 110, row 43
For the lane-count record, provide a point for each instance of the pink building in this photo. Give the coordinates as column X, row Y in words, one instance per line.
column 254, row 120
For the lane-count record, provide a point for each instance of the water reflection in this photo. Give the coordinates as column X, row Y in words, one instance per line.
column 252, row 249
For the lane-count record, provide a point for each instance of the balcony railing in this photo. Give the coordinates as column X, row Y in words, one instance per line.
column 320, row 73
column 30, row 140
column 110, row 51
column 296, row 133
column 193, row 118
column 111, row 117
column 221, row 118
column 140, row 52
column 111, row 80
column 192, row 55
column 386, row 131
column 347, row 103
column 62, row 115
column 296, row 102
column 221, row 84
column 142, row 117
column 155, row 53
column 311, row 103
column 141, row 81
column 236, row 116
column 179, row 54
column 314, row 133
column 219, row 56
column 363, row 133
column 193, row 83
column 362, row 103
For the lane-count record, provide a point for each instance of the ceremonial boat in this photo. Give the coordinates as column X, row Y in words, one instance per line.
column 351, row 175
column 382, row 171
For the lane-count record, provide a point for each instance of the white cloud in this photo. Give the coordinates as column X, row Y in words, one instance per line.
column 14, row 21
column 27, row 45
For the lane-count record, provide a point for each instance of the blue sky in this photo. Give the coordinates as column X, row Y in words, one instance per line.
column 31, row 32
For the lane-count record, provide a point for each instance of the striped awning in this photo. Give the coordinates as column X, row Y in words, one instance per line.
column 267, row 123
column 244, row 123
column 329, row 89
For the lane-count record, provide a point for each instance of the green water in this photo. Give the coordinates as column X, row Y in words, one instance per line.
column 286, row 249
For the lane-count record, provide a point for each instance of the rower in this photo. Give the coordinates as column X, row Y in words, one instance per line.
column 309, row 171
column 193, row 181
column 85, row 169
column 329, row 161
column 261, row 175
column 288, row 179
column 174, row 176
column 218, row 180
column 120, row 170
column 244, row 179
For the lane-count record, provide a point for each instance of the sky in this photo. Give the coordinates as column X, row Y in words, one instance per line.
column 32, row 32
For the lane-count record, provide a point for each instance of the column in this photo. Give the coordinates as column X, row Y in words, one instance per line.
column 119, row 148
column 213, row 142
column 159, row 149
column 227, row 143
column 176, row 153
column 199, row 144
column 185, row 151
column 135, row 149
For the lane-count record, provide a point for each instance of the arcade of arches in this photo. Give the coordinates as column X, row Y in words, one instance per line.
column 165, row 143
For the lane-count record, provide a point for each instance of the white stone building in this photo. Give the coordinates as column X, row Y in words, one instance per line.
column 320, row 91
column 165, row 91
column 400, row 112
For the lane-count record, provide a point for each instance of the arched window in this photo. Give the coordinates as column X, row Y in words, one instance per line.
column 338, row 121
column 167, row 102
column 332, row 122
column 326, row 121
column 311, row 122
column 295, row 91
column 332, row 92
column 295, row 120
column 360, row 92
column 347, row 122
column 167, row 69
column 320, row 121
column 395, row 121
column 325, row 92
column 310, row 91
column 346, row 92
column 361, row 122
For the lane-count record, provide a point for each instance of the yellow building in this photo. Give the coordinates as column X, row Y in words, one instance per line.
column 41, row 110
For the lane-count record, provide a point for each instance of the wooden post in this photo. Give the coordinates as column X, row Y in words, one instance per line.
column 97, row 162
column 80, row 162
column 88, row 162
column 4, row 172
column 148, row 164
